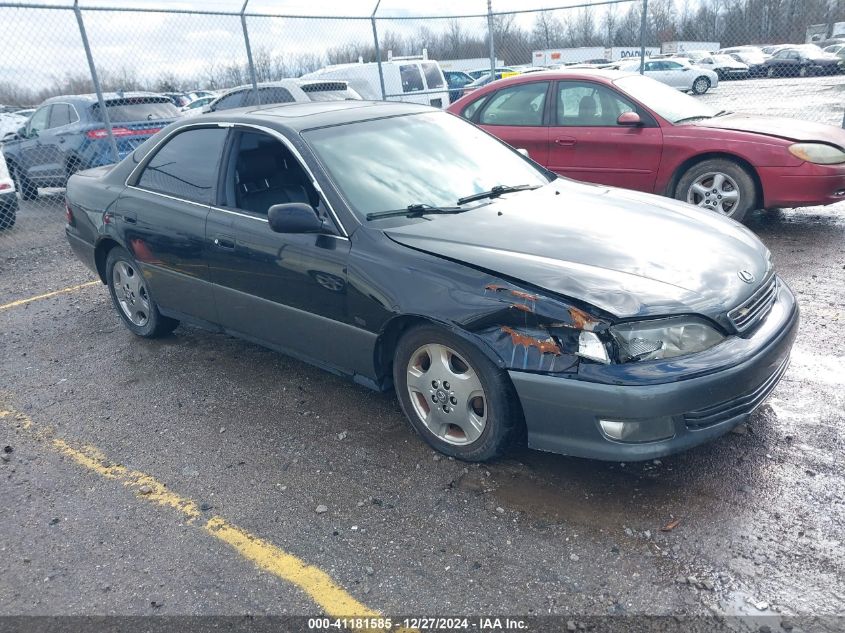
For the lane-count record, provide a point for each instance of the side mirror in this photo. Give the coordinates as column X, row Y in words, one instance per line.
column 294, row 217
column 523, row 151
column 629, row 119
column 21, row 133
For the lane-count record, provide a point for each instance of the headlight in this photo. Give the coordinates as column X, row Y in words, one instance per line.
column 818, row 153
column 663, row 338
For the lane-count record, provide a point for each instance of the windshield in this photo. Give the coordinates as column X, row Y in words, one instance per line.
column 433, row 159
column 673, row 105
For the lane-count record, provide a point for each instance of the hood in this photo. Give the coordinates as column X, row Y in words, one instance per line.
column 627, row 253
column 791, row 129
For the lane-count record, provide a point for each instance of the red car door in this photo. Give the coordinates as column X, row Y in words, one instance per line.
column 517, row 115
column 586, row 141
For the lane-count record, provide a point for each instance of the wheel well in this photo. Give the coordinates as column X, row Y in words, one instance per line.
column 700, row 158
column 101, row 253
column 386, row 345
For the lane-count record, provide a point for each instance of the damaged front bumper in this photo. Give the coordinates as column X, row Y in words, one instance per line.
column 674, row 405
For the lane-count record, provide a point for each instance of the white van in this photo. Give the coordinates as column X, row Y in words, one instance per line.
column 412, row 79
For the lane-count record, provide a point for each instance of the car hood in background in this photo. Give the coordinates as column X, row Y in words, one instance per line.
column 792, row 129
column 624, row 252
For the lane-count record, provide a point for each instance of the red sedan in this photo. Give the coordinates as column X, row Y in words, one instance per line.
column 630, row 131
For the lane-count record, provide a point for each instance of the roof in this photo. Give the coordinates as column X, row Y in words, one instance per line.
column 303, row 116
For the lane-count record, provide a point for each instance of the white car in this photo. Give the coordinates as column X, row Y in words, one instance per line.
column 676, row 72
column 196, row 106
column 8, row 197
column 725, row 66
column 283, row 91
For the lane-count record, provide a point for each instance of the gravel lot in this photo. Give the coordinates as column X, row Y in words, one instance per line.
column 262, row 440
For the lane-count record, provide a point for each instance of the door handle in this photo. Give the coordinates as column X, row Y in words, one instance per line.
column 565, row 141
column 130, row 218
column 224, row 241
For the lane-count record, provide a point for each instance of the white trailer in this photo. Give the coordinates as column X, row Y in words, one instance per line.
column 617, row 53
column 685, row 47
column 553, row 56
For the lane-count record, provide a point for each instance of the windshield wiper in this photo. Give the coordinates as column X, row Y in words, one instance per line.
column 495, row 192
column 722, row 113
column 693, row 118
column 415, row 211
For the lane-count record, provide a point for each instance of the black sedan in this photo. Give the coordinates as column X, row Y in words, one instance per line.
column 408, row 249
column 801, row 61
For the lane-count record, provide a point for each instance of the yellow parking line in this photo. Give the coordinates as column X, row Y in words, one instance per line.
column 47, row 295
column 317, row 584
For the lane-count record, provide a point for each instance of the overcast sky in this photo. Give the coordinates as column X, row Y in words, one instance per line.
column 41, row 44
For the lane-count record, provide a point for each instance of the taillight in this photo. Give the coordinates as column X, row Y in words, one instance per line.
column 120, row 131
column 4, row 186
column 69, row 214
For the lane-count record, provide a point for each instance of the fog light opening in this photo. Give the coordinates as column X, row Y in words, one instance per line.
column 634, row 431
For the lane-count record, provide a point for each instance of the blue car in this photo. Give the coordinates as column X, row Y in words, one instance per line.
column 68, row 134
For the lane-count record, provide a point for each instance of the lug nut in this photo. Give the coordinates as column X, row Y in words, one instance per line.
column 435, row 384
column 453, row 400
column 445, row 385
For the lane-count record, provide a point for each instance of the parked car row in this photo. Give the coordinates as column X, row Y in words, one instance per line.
column 626, row 130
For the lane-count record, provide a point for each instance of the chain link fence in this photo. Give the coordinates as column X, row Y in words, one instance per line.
column 82, row 86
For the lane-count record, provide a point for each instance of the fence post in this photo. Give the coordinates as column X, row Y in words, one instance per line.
column 249, row 54
column 643, row 29
column 94, row 78
column 492, row 45
column 378, row 52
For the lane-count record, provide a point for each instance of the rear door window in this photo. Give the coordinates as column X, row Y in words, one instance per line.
column 232, row 100
column 129, row 109
column 39, row 120
column 432, row 76
column 186, row 166
column 268, row 95
column 411, row 78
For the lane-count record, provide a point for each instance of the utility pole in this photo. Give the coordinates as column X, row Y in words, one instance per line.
column 492, row 46
column 643, row 27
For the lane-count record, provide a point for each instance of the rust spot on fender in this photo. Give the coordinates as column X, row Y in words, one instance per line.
column 524, row 295
column 581, row 320
column 521, row 307
column 547, row 346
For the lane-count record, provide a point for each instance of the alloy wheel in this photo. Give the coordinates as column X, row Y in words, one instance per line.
column 446, row 394
column 715, row 191
column 131, row 293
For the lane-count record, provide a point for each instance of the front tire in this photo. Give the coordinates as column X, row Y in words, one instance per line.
column 701, row 85
column 8, row 217
column 28, row 190
column 719, row 185
column 132, row 299
column 455, row 397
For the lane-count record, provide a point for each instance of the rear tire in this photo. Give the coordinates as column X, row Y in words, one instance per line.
column 484, row 415
column 132, row 299
column 701, row 85
column 711, row 183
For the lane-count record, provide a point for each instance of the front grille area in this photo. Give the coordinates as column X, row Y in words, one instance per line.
column 741, row 405
column 756, row 307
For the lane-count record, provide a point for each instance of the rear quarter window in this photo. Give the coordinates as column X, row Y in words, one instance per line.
column 432, row 76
